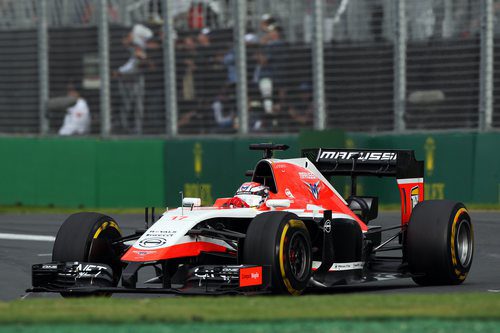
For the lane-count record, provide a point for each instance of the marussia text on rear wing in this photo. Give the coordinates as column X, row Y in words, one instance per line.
column 400, row 164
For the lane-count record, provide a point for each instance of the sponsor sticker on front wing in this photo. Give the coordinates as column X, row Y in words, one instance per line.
column 251, row 276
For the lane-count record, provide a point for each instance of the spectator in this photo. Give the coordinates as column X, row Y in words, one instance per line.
column 223, row 119
column 203, row 14
column 302, row 111
column 204, row 61
column 267, row 23
column 89, row 13
column 209, row 75
column 186, row 54
column 137, row 42
column 230, row 59
column 422, row 20
column 77, row 118
column 186, row 67
column 230, row 64
column 266, row 76
column 226, row 98
column 131, row 79
column 496, row 17
column 203, row 68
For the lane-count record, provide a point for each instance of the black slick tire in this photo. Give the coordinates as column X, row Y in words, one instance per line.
column 280, row 240
column 440, row 243
column 87, row 237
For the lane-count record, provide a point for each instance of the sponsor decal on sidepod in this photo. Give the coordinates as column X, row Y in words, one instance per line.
column 314, row 188
column 414, row 194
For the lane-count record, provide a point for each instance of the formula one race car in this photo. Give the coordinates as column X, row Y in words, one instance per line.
column 285, row 231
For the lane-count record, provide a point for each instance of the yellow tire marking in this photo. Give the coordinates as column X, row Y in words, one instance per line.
column 297, row 224
column 106, row 225
column 452, row 240
column 287, row 283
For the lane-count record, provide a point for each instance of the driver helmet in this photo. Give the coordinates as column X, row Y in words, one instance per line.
column 252, row 193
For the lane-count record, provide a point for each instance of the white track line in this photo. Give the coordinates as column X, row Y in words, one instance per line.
column 38, row 238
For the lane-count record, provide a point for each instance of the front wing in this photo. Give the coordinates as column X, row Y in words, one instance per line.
column 91, row 278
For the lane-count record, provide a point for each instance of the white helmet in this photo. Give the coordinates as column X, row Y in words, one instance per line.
column 252, row 193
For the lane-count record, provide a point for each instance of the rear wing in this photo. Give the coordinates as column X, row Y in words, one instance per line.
column 400, row 164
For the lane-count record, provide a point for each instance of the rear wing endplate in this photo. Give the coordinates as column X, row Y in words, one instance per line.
column 400, row 164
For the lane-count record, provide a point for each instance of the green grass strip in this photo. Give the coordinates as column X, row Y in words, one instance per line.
column 471, row 306
column 340, row 326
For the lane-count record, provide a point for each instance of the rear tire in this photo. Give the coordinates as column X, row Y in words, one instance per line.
column 280, row 240
column 440, row 243
column 87, row 237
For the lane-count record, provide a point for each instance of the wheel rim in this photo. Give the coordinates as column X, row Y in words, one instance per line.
column 464, row 243
column 298, row 256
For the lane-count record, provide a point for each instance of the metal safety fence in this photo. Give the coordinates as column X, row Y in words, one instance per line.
column 169, row 67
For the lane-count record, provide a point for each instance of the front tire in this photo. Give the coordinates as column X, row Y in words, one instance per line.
column 280, row 240
column 440, row 243
column 87, row 237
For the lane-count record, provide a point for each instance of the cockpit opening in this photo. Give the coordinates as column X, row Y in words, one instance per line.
column 263, row 174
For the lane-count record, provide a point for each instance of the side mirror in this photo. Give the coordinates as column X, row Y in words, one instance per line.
column 191, row 202
column 278, row 203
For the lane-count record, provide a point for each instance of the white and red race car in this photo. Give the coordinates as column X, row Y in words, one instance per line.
column 284, row 231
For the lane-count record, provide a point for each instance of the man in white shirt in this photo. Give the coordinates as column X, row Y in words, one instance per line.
column 77, row 119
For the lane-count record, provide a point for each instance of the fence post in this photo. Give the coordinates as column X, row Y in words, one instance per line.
column 486, row 67
column 239, row 12
column 400, row 36
column 318, row 66
column 104, row 72
column 43, row 66
column 169, row 69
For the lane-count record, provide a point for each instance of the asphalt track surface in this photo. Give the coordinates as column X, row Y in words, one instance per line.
column 26, row 239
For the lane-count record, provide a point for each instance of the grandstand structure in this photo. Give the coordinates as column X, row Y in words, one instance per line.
column 227, row 67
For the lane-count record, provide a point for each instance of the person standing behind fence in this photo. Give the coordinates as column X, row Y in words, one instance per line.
column 265, row 74
column 301, row 112
column 205, row 77
column 77, row 118
column 131, row 77
column 185, row 71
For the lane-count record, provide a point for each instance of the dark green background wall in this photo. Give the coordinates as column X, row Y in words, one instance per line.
column 82, row 172
column 212, row 168
column 458, row 166
column 85, row 172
